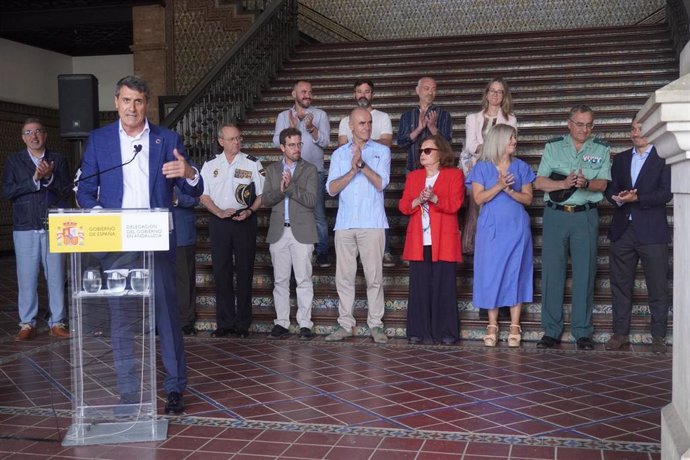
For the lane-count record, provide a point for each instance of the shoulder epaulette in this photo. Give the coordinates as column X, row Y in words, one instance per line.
column 600, row 141
column 251, row 157
column 555, row 139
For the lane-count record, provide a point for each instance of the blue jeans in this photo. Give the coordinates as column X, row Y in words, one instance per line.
column 320, row 214
column 31, row 250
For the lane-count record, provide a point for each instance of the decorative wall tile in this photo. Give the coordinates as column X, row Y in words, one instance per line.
column 386, row 20
column 203, row 31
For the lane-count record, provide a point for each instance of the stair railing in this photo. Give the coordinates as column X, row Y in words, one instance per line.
column 230, row 88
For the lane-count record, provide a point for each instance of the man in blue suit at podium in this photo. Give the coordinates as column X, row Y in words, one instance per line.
column 132, row 163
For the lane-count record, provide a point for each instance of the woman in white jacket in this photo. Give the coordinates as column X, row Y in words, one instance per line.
column 497, row 108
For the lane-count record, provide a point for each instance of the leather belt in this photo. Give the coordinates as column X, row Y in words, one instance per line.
column 286, row 224
column 571, row 207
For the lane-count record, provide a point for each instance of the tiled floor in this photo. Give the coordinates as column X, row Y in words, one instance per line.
column 256, row 398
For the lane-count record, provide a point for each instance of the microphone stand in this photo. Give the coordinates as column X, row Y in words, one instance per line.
column 63, row 194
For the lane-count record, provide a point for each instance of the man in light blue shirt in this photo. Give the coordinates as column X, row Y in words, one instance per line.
column 358, row 173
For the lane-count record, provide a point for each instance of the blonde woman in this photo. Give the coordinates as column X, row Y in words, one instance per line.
column 503, row 265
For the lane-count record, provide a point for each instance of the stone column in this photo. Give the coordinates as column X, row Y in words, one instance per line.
column 149, row 51
column 665, row 121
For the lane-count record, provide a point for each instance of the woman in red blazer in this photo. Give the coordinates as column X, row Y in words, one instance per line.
column 432, row 197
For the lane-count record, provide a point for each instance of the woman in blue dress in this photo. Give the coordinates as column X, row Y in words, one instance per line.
column 502, row 186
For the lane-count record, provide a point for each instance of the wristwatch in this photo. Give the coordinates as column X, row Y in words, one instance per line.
column 586, row 184
column 361, row 164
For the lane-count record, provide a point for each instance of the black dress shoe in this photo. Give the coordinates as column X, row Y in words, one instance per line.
column 189, row 330
column 174, row 404
column 242, row 333
column 222, row 332
column 585, row 343
column 278, row 332
column 658, row 345
column 306, row 334
column 547, row 342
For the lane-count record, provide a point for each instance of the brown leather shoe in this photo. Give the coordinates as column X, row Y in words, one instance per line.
column 25, row 333
column 59, row 331
column 617, row 341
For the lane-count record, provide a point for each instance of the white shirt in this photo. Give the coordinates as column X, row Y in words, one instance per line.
column 135, row 175
column 426, row 221
column 380, row 124
column 222, row 179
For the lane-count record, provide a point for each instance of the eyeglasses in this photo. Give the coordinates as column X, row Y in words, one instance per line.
column 292, row 145
column 427, row 151
column 495, row 92
column 581, row 125
column 232, row 139
column 31, row 132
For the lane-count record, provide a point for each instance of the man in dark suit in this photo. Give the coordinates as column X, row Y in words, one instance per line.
column 155, row 164
column 184, row 219
column 290, row 189
column 34, row 180
column 640, row 187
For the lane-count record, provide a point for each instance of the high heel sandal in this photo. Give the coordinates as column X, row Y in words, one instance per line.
column 491, row 339
column 514, row 339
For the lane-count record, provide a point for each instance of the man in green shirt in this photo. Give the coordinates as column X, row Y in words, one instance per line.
column 574, row 172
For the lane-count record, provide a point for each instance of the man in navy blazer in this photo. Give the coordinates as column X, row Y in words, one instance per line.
column 155, row 163
column 640, row 187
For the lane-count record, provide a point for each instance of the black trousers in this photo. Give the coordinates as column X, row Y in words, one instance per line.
column 624, row 255
column 233, row 247
column 432, row 309
column 186, row 284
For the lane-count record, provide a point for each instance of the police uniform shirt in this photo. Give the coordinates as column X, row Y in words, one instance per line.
column 223, row 180
column 560, row 156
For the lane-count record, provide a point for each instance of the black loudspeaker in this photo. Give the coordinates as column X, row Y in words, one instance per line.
column 78, row 100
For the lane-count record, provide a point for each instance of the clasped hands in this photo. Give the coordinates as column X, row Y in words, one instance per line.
column 625, row 196
column 574, row 180
column 285, row 180
column 505, row 180
column 427, row 194
column 234, row 214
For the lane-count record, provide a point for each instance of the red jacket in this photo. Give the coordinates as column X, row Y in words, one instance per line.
column 445, row 233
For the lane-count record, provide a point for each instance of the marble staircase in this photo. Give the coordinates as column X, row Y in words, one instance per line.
column 613, row 71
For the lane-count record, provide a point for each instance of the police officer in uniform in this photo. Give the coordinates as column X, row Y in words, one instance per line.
column 574, row 172
column 233, row 183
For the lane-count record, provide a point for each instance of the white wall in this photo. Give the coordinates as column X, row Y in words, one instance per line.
column 29, row 75
column 108, row 70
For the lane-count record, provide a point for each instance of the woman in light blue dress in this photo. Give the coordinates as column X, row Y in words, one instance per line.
column 503, row 264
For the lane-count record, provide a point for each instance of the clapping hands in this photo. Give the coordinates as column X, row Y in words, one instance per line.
column 44, row 170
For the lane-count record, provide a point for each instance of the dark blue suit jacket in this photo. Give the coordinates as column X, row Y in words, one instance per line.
column 653, row 190
column 184, row 218
column 30, row 206
column 106, row 189
column 103, row 152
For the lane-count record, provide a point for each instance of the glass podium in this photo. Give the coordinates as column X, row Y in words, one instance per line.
column 112, row 322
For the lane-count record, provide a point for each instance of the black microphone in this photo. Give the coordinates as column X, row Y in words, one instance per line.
column 137, row 149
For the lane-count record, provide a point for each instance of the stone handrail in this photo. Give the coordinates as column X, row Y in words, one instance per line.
column 230, row 88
